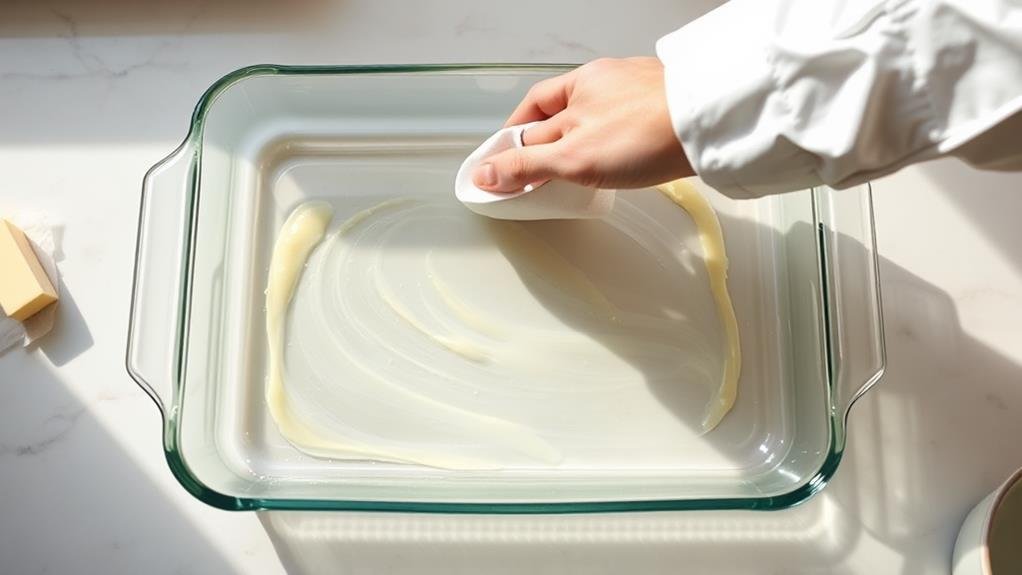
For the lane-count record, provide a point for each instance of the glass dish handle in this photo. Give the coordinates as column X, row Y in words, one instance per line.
column 155, row 322
column 851, row 277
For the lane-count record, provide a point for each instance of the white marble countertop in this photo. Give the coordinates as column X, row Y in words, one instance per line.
column 93, row 92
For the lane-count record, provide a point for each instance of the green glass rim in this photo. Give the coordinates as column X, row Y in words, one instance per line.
column 170, row 413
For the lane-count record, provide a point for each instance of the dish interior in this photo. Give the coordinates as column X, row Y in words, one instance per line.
column 272, row 142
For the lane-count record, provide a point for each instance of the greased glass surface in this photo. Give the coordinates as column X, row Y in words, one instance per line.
column 268, row 139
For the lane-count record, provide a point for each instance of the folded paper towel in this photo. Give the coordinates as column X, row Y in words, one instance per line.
column 41, row 234
column 552, row 200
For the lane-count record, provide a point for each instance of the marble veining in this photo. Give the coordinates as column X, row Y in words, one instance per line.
column 58, row 427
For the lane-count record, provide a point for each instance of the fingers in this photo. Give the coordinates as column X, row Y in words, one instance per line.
column 545, row 132
column 512, row 170
column 544, row 99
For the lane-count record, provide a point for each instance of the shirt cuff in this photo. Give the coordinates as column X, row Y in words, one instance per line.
column 770, row 96
column 717, row 88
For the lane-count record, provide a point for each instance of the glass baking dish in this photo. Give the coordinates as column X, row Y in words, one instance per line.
column 803, row 277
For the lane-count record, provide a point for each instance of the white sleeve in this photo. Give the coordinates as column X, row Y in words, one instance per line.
column 769, row 96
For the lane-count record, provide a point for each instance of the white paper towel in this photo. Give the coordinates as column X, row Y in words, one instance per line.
column 40, row 234
column 553, row 200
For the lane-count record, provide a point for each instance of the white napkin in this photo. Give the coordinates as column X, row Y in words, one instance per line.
column 41, row 235
column 552, row 200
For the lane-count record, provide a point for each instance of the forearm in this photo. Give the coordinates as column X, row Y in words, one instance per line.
column 769, row 96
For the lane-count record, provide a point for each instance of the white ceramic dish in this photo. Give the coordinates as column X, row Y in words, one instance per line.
column 990, row 540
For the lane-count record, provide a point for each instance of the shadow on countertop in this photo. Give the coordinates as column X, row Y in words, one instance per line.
column 924, row 397
column 928, row 400
column 73, row 499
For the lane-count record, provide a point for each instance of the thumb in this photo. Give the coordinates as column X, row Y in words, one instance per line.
column 512, row 170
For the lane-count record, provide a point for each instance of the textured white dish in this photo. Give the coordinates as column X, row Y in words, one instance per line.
column 988, row 542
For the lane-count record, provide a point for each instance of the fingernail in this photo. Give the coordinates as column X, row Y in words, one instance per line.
column 485, row 176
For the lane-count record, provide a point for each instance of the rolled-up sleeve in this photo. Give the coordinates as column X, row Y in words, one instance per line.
column 769, row 96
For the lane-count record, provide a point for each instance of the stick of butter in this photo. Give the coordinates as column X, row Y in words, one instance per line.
column 24, row 287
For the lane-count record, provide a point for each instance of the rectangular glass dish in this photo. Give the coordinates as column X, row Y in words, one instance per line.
column 264, row 139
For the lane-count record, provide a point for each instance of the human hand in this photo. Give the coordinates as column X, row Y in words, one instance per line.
column 604, row 125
